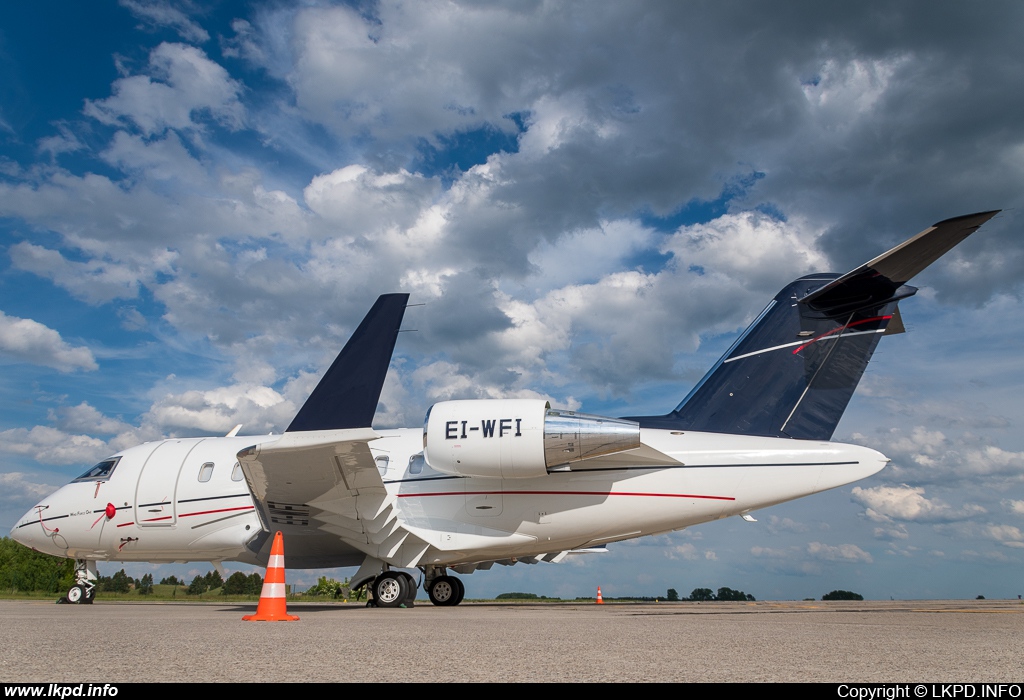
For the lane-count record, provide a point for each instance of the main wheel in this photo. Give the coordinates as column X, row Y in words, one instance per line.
column 443, row 590
column 89, row 596
column 461, row 593
column 75, row 594
column 390, row 589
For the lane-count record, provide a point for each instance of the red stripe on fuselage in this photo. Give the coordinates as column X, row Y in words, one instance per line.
column 198, row 512
column 219, row 510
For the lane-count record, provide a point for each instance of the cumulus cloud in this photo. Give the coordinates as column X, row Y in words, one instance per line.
column 897, row 532
column 87, row 419
column 690, row 553
column 96, row 281
column 260, row 408
column 775, row 524
column 52, row 446
column 26, row 340
column 16, row 487
column 356, row 201
column 842, row 553
column 182, row 82
column 752, row 247
column 905, row 503
column 1008, row 535
column 930, row 455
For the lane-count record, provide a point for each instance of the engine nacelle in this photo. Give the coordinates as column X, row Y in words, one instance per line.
column 517, row 438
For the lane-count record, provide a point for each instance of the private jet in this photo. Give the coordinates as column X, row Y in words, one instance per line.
column 488, row 482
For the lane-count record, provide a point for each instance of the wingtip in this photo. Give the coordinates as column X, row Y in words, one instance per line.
column 982, row 216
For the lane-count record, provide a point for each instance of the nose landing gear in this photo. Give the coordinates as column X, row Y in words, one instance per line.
column 84, row 590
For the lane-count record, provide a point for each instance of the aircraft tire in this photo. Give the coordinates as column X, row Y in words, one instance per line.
column 75, row 595
column 461, row 593
column 88, row 597
column 390, row 589
column 410, row 582
column 444, row 590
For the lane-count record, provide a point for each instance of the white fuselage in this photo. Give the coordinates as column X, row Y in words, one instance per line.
column 162, row 511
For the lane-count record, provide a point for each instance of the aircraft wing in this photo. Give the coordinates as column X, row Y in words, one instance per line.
column 320, row 476
column 327, row 481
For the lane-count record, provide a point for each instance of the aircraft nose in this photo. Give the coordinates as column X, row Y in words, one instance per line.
column 29, row 531
column 18, row 532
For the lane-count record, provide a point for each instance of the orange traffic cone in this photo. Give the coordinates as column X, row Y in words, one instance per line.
column 272, row 606
column 600, row 600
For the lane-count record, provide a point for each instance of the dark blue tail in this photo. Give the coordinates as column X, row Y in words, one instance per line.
column 793, row 371
column 347, row 395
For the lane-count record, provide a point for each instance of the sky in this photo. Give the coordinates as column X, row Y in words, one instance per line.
column 199, row 202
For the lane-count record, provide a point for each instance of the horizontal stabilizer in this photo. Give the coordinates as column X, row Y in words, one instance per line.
column 347, row 395
column 881, row 279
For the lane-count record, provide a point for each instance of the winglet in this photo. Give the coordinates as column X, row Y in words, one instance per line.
column 347, row 395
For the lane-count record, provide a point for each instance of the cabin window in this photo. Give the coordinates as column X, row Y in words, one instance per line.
column 382, row 464
column 416, row 463
column 236, row 473
column 101, row 471
column 206, row 472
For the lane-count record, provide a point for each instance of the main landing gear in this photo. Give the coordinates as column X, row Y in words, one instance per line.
column 394, row 589
column 446, row 590
column 83, row 592
column 397, row 589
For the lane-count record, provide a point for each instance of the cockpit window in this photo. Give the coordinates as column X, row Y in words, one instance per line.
column 101, row 471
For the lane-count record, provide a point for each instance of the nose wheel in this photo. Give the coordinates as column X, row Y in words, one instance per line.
column 75, row 595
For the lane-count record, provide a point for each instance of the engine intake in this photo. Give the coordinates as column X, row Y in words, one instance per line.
column 517, row 438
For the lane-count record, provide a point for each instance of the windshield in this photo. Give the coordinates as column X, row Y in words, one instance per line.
column 100, row 471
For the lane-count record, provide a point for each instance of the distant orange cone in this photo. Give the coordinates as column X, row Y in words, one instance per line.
column 272, row 606
column 600, row 600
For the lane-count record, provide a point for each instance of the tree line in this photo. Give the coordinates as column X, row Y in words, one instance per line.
column 24, row 569
column 28, row 571
column 706, row 594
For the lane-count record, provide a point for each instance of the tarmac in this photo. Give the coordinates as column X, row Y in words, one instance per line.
column 838, row 642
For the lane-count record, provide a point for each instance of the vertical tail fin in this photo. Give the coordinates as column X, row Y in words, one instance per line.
column 793, row 371
column 347, row 395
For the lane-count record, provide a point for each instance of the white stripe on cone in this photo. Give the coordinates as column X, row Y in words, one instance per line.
column 272, row 590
